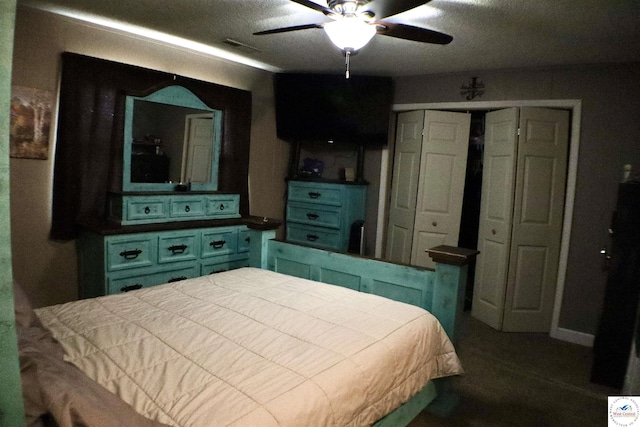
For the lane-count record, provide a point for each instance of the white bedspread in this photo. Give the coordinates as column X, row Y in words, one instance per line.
column 251, row 347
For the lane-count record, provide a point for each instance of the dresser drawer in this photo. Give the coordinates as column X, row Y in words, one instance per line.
column 187, row 207
column 223, row 206
column 308, row 213
column 217, row 242
column 214, row 266
column 129, row 252
column 244, row 240
column 321, row 237
column 138, row 281
column 177, row 247
column 148, row 209
column 325, row 194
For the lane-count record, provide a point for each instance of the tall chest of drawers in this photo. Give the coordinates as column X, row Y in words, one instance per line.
column 321, row 213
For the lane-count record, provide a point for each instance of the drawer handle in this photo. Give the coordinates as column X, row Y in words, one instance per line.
column 217, row 271
column 178, row 249
column 177, row 279
column 131, row 254
column 147, row 210
column 314, row 194
column 131, row 287
column 187, row 208
column 248, row 239
column 221, row 207
column 217, row 244
column 312, row 237
column 312, row 216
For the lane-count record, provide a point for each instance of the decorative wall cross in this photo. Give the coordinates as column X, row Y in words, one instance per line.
column 472, row 89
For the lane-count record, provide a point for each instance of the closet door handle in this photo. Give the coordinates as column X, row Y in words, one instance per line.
column 217, row 244
column 178, row 249
column 314, row 194
column 313, row 216
column 131, row 287
column 312, row 237
column 133, row 254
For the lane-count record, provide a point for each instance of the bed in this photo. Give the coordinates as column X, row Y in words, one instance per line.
column 247, row 347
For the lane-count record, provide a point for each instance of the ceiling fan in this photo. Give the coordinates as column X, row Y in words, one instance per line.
column 355, row 22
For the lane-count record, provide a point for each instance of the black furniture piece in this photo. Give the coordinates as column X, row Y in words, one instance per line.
column 613, row 341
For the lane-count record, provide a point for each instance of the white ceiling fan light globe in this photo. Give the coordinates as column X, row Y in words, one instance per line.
column 350, row 33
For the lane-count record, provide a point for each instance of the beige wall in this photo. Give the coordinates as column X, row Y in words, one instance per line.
column 47, row 269
column 609, row 138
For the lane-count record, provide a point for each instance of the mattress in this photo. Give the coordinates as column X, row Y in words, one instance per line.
column 252, row 347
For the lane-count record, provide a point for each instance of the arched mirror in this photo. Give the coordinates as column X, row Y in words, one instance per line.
column 170, row 137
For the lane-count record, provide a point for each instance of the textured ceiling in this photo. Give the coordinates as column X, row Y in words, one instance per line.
column 487, row 34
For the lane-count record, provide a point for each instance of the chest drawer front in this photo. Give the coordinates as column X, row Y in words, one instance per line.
column 138, row 281
column 314, row 236
column 219, row 242
column 175, row 248
column 149, row 209
column 307, row 213
column 227, row 206
column 315, row 193
column 129, row 252
column 187, row 207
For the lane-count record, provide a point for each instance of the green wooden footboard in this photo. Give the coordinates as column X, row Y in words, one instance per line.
column 440, row 291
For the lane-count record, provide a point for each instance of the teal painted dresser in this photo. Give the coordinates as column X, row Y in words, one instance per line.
column 321, row 213
column 119, row 260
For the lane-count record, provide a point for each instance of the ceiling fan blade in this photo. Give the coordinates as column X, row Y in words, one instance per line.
column 315, row 6
column 288, row 29
column 409, row 32
column 385, row 8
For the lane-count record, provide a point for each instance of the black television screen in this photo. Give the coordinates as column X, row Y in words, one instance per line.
column 327, row 108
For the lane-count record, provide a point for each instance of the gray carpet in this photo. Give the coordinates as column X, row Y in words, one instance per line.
column 522, row 379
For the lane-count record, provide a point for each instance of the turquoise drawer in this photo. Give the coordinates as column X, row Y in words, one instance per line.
column 129, row 252
column 216, row 242
column 187, row 207
column 244, row 240
column 325, row 194
column 223, row 206
column 314, row 236
column 217, row 267
column 308, row 213
column 177, row 247
column 138, row 281
column 145, row 209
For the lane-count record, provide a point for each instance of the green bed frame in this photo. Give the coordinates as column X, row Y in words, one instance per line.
column 440, row 291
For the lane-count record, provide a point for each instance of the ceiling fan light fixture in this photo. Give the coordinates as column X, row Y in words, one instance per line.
column 350, row 33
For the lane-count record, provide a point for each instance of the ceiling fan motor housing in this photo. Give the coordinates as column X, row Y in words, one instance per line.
column 348, row 7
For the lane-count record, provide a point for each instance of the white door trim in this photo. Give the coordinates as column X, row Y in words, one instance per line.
column 575, row 105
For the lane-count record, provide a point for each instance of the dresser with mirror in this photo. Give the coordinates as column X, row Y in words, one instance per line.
column 169, row 222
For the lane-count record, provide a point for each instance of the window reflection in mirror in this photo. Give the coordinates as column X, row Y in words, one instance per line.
column 171, row 137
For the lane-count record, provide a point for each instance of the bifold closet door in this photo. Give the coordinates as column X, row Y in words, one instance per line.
column 404, row 186
column 521, row 214
column 427, row 187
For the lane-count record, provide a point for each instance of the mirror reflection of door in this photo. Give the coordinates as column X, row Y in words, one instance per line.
column 198, row 149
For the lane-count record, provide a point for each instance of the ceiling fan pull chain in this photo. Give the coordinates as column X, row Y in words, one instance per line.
column 346, row 61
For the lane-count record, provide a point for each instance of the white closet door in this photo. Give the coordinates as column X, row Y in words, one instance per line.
column 496, row 209
column 404, row 186
column 521, row 218
column 443, row 165
column 537, row 219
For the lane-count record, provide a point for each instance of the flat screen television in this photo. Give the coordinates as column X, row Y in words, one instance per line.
column 327, row 108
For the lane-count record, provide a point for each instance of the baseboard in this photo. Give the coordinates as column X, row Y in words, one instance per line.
column 574, row 337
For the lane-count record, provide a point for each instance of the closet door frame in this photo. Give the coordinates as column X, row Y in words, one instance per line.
column 575, row 105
